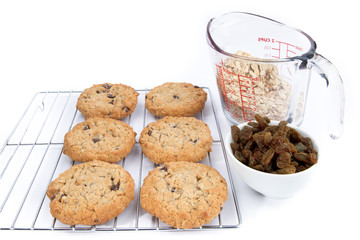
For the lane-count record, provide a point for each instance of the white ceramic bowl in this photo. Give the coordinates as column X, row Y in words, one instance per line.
column 278, row 186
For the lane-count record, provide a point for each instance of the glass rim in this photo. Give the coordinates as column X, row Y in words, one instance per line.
column 306, row 56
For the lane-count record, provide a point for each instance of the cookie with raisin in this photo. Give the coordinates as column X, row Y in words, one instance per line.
column 173, row 139
column 90, row 193
column 184, row 194
column 177, row 99
column 104, row 139
column 107, row 100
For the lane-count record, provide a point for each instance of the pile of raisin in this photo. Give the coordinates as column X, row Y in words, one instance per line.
column 273, row 149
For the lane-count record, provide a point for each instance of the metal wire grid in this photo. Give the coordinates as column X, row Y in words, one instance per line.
column 32, row 157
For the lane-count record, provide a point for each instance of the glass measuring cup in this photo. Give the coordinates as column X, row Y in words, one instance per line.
column 263, row 66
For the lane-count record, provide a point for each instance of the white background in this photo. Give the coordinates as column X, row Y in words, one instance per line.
column 70, row 45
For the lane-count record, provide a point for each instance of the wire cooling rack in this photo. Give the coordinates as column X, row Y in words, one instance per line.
column 32, row 157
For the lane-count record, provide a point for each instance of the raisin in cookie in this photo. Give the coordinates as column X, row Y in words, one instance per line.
column 173, row 139
column 107, row 100
column 175, row 99
column 184, row 194
column 104, row 139
column 90, row 193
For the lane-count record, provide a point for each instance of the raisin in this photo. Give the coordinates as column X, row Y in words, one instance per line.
column 111, row 102
column 234, row 147
column 175, row 97
column 62, row 195
column 267, row 138
column 252, row 161
column 308, row 143
column 95, row 140
column 292, row 147
column 263, row 123
column 255, row 127
column 240, row 157
column 267, row 119
column 115, row 187
column 87, row 127
column 267, row 157
column 235, row 133
column 253, row 124
column 300, row 168
column 111, row 95
column 164, row 169
column 269, row 168
column 280, row 144
column 259, row 139
column 196, row 86
column 295, row 136
column 283, row 160
column 271, row 129
column 312, row 158
column 282, row 126
column 300, row 147
column 280, row 133
column 125, row 108
column 294, row 163
column 149, row 132
column 107, row 86
column 262, row 140
column 287, row 170
column 246, row 153
column 173, row 189
column 258, row 155
column 250, row 144
column 302, row 157
column 246, row 134
column 259, row 167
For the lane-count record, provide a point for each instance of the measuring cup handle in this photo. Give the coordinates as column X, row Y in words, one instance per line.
column 335, row 94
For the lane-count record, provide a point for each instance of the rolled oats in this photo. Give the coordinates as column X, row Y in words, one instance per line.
column 252, row 87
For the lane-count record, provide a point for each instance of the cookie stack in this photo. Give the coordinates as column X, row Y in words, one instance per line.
column 180, row 191
column 97, row 190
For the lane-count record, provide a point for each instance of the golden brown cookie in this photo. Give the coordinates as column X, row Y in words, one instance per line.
column 104, row 139
column 107, row 100
column 176, row 99
column 90, row 193
column 184, row 194
column 172, row 139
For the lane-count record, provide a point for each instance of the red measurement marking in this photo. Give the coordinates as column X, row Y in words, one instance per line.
column 248, row 113
column 289, row 50
column 247, row 93
column 220, row 75
column 224, row 69
column 246, row 90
